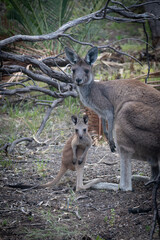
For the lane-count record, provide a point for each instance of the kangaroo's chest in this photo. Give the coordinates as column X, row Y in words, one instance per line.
column 85, row 99
column 84, row 142
column 91, row 102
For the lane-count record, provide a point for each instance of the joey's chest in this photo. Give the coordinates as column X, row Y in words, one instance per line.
column 85, row 141
column 81, row 146
column 81, row 142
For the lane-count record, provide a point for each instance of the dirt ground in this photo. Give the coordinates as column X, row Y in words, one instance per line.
column 60, row 213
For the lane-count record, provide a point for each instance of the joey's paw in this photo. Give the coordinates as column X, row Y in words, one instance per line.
column 80, row 161
column 74, row 161
column 112, row 146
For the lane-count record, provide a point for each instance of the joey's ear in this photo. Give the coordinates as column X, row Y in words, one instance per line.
column 71, row 55
column 85, row 118
column 92, row 55
column 74, row 119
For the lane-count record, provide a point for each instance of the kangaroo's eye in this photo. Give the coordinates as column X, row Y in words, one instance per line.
column 84, row 130
column 76, row 130
column 86, row 71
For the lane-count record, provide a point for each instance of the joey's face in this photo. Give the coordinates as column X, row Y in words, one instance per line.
column 81, row 130
column 81, row 126
column 82, row 73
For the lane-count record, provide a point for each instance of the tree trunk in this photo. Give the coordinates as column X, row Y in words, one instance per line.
column 154, row 24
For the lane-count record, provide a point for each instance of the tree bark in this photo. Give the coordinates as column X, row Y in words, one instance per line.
column 154, row 8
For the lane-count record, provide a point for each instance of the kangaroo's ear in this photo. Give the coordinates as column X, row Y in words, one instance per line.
column 74, row 119
column 85, row 118
column 92, row 55
column 71, row 55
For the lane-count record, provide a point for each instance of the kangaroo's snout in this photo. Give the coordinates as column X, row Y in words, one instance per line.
column 79, row 133
column 78, row 81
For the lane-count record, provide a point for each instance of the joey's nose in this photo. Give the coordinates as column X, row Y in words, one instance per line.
column 80, row 137
column 78, row 81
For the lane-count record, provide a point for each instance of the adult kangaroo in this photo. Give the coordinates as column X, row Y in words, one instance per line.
column 131, row 108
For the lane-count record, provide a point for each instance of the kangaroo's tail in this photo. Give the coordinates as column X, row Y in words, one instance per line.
column 55, row 180
column 49, row 184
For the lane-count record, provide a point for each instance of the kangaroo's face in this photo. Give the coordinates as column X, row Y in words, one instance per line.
column 81, row 126
column 81, row 130
column 82, row 69
column 82, row 73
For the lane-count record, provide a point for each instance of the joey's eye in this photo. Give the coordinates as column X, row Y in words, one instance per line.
column 84, row 130
column 86, row 71
column 76, row 130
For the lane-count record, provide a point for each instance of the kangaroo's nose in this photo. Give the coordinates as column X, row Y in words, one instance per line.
column 78, row 81
column 80, row 137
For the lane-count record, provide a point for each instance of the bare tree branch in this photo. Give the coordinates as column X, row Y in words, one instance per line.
column 143, row 4
column 144, row 29
column 126, row 54
column 27, row 89
column 98, row 15
column 54, row 35
column 129, row 38
column 103, row 46
column 121, row 4
column 44, row 68
column 34, row 76
column 13, row 144
column 53, row 62
column 48, row 113
column 105, row 8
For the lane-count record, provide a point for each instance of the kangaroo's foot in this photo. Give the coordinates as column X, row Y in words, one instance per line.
column 74, row 161
column 112, row 146
column 80, row 161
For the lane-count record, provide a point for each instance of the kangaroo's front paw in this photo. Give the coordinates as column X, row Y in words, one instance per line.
column 74, row 161
column 80, row 161
column 112, row 146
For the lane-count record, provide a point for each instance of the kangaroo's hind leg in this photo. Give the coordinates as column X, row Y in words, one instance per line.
column 125, row 172
column 79, row 184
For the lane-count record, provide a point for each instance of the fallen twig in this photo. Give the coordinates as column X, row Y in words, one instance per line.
column 139, row 210
column 13, row 144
